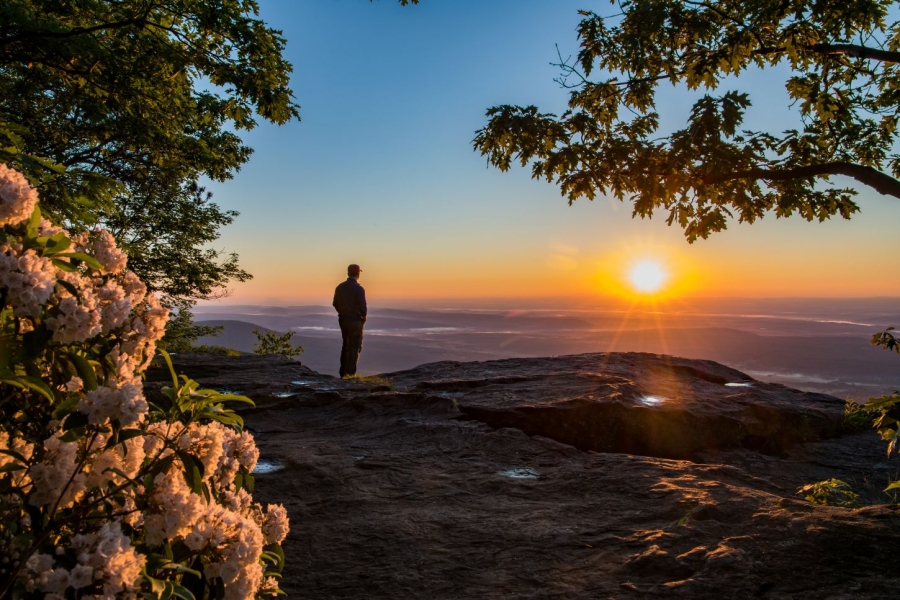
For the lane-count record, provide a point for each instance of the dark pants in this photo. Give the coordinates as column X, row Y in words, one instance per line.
column 352, row 332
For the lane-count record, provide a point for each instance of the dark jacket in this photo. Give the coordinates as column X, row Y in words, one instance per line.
column 350, row 300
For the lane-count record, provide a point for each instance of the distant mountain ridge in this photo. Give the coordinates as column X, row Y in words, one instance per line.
column 806, row 354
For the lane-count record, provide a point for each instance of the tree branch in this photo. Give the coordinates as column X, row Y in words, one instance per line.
column 880, row 182
column 139, row 20
column 857, row 51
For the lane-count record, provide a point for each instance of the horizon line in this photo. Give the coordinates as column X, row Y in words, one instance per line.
column 385, row 302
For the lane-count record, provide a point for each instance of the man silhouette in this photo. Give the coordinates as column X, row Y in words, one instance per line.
column 350, row 304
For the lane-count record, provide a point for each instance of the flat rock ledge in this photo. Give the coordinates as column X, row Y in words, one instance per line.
column 635, row 403
column 561, row 478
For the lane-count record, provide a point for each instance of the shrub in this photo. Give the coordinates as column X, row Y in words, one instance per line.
column 887, row 408
column 272, row 342
column 857, row 417
column 182, row 333
column 101, row 493
column 371, row 380
column 831, row 492
column 220, row 350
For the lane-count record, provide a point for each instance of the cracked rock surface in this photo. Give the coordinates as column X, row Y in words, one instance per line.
column 556, row 478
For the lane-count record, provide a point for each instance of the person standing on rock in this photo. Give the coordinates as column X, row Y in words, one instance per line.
column 350, row 304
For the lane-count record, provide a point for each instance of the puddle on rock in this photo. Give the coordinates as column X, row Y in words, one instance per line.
column 230, row 392
column 519, row 473
column 741, row 384
column 651, row 400
column 285, row 394
column 302, row 382
column 267, row 466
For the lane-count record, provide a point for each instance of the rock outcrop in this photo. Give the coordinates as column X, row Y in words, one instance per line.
column 562, row 478
column 634, row 403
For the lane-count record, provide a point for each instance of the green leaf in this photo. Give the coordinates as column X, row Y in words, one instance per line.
column 64, row 266
column 11, row 467
column 181, row 569
column 75, row 419
column 157, row 585
column 34, row 221
column 168, row 360
column 127, row 434
column 182, row 592
column 65, row 407
column 72, row 435
column 30, row 383
column 85, row 371
column 155, row 562
column 57, row 243
column 231, row 398
column 167, row 593
column 14, row 454
column 68, row 286
column 278, row 551
column 85, row 258
column 193, row 471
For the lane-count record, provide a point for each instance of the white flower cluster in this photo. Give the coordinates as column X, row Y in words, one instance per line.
column 17, row 197
column 55, row 478
column 23, row 449
column 240, row 451
column 84, row 304
column 276, row 525
column 105, row 559
column 29, row 280
column 81, row 307
column 232, row 534
column 125, row 404
column 113, row 464
column 103, row 305
column 81, row 304
column 106, row 252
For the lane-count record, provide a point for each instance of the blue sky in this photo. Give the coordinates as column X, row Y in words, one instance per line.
column 381, row 171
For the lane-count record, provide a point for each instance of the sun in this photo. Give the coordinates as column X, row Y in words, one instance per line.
column 647, row 276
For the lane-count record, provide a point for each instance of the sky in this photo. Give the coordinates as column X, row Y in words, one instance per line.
column 380, row 171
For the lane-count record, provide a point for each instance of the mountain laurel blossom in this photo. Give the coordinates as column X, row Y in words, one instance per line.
column 130, row 499
column 17, row 197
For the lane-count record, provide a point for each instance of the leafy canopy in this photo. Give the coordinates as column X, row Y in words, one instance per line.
column 844, row 84
column 137, row 100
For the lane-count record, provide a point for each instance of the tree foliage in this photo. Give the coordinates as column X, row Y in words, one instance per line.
column 182, row 333
column 887, row 407
column 843, row 82
column 272, row 342
column 138, row 100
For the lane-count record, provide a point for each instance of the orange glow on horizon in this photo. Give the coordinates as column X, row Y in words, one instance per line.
column 599, row 276
column 645, row 273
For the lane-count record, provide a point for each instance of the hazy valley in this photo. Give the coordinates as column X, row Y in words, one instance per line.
column 817, row 345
